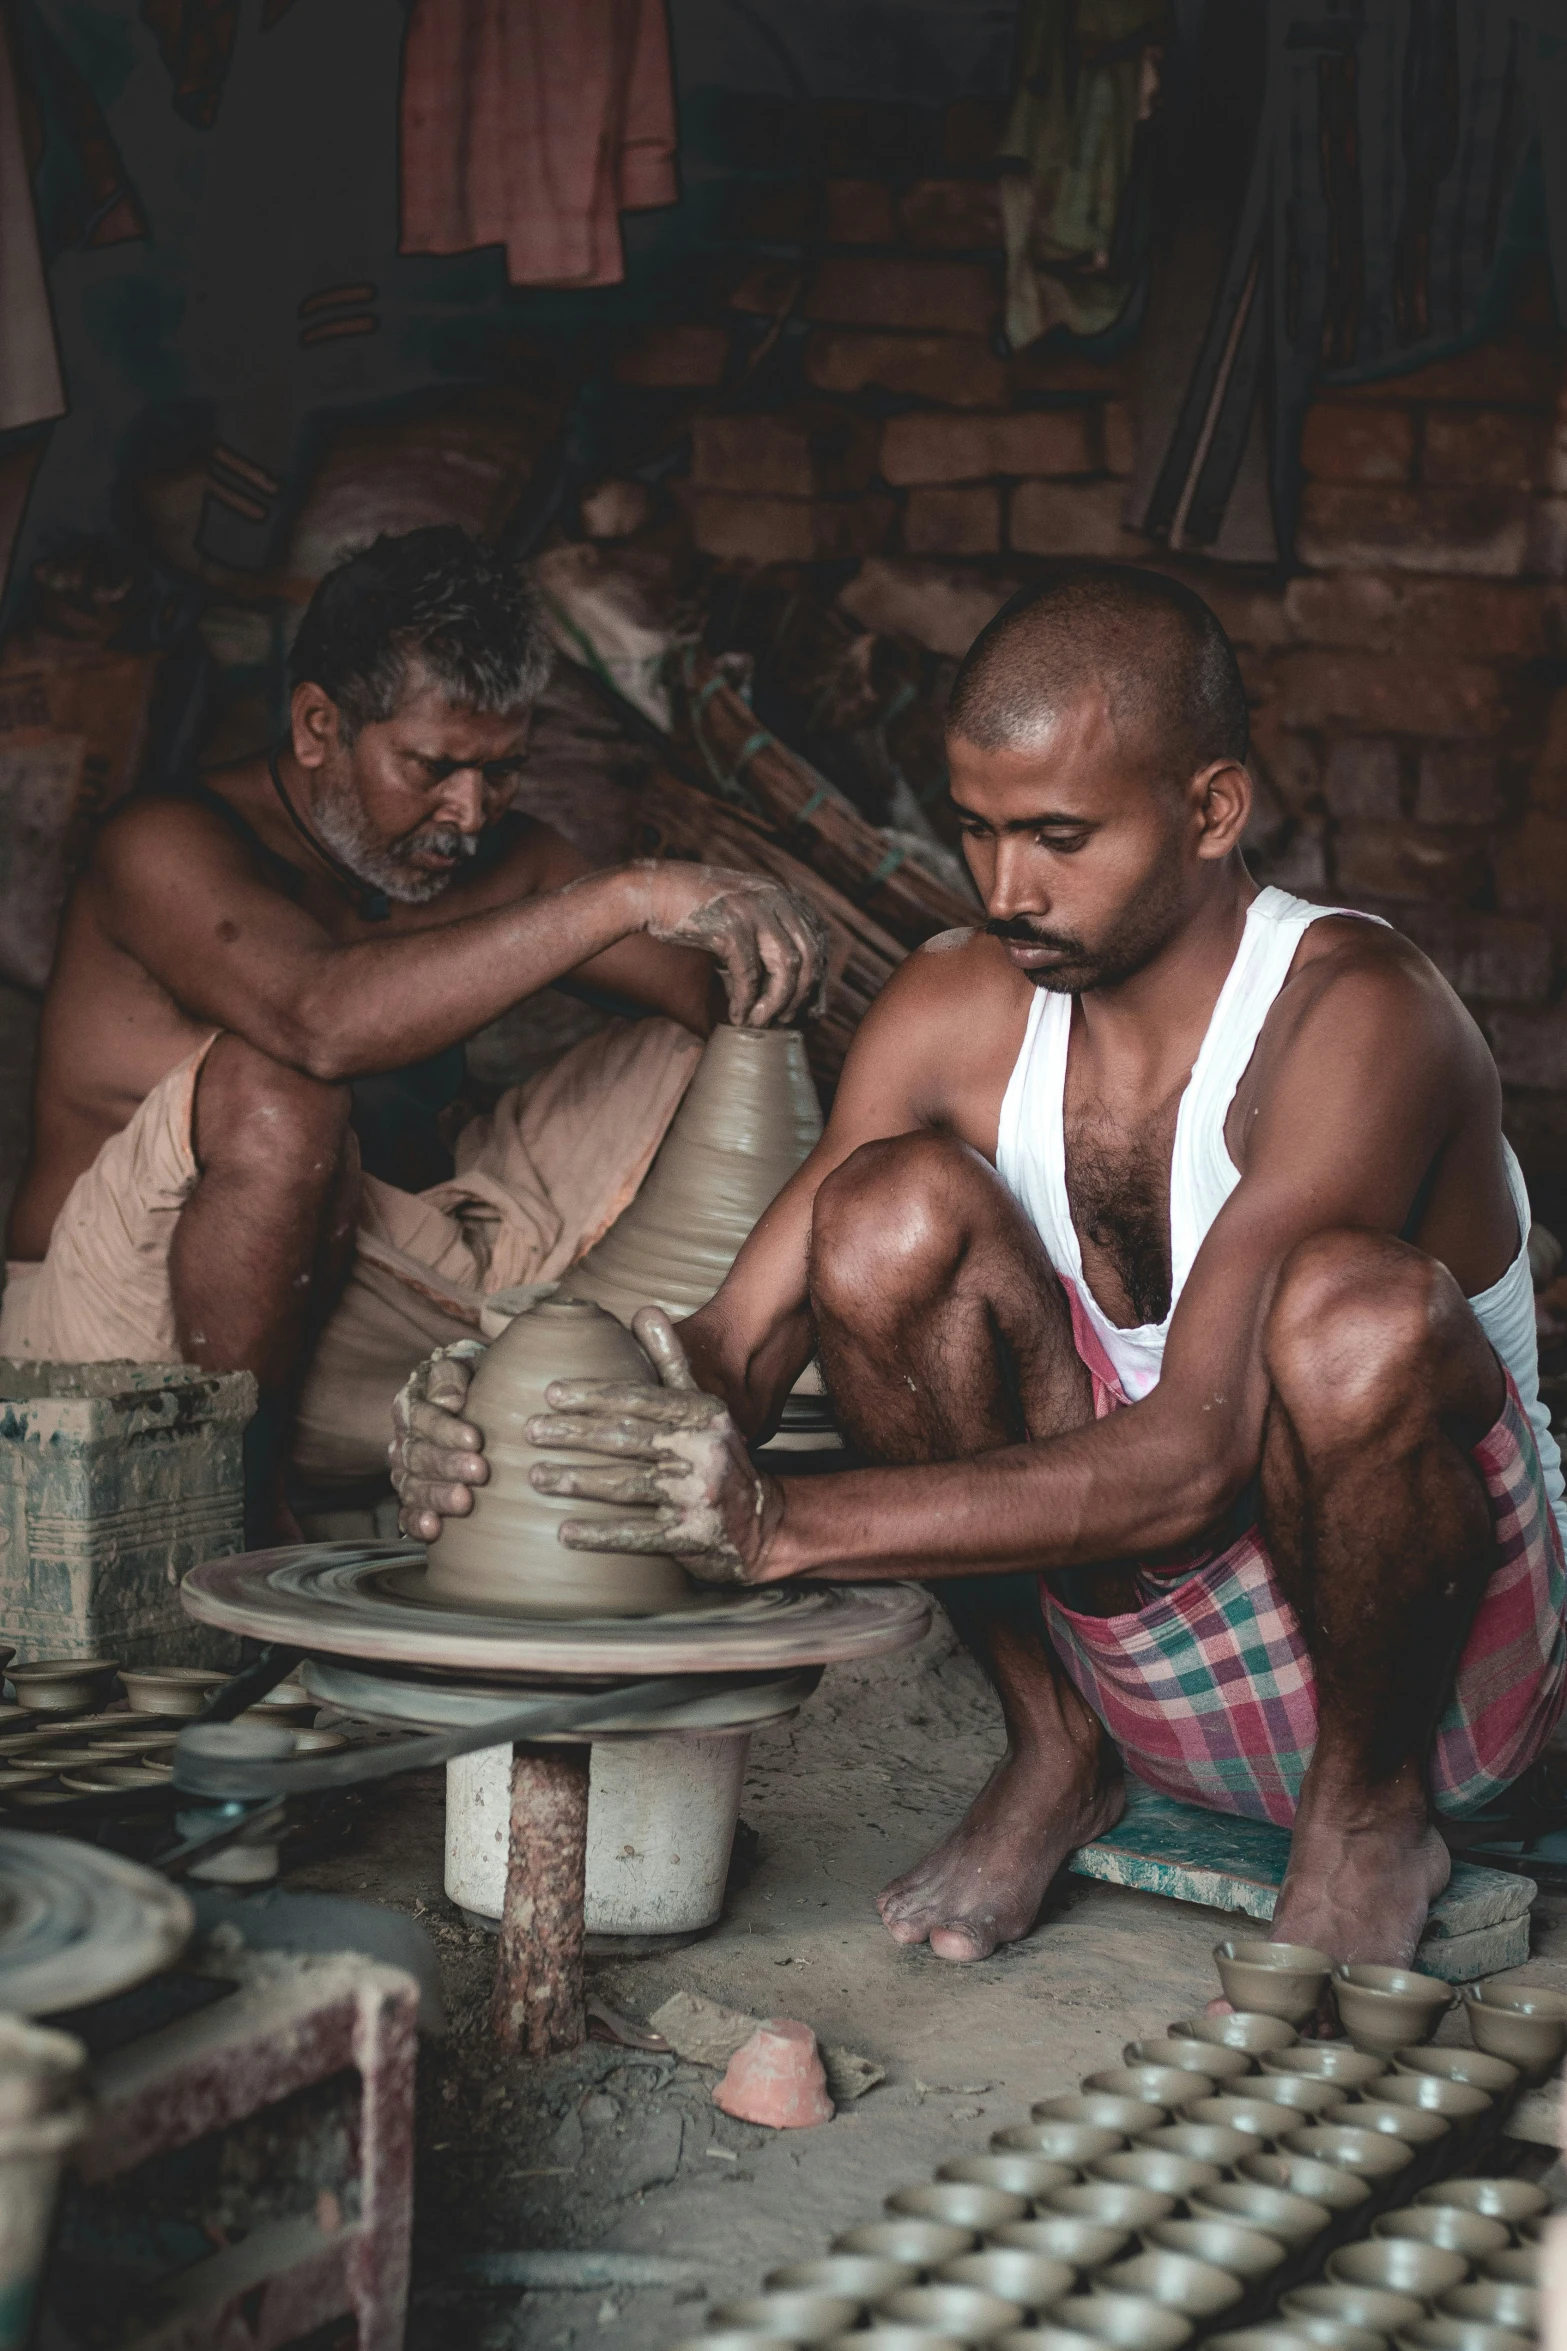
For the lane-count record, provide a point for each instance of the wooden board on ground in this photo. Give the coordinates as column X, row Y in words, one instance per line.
column 1479, row 1925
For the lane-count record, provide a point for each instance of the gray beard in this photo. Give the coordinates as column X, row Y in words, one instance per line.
column 341, row 824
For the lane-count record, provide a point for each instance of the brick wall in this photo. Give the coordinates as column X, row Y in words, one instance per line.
column 846, row 398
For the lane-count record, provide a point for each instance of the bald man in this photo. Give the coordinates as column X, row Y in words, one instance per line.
column 1168, row 1269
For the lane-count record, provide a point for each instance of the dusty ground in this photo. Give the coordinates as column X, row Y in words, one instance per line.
column 619, row 2149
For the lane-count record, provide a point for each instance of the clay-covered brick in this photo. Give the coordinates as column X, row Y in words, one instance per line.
column 951, row 215
column 1362, row 778
column 972, row 130
column 964, row 521
column 1345, row 443
column 1548, row 773
column 1072, row 518
column 958, row 297
column 674, row 356
column 1531, row 1047
column 1118, row 427
column 1488, row 958
column 1531, row 866
column 1392, row 612
column 926, row 447
column 858, row 212
column 788, row 530
column 1499, row 448
column 1319, row 688
column 960, row 370
column 814, row 450
column 1434, row 529
column 1403, row 861
column 1460, row 783
column 1506, row 373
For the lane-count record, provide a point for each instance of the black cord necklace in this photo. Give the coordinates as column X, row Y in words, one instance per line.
column 370, row 903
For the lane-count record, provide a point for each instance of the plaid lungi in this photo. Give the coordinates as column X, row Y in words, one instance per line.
column 1207, row 1686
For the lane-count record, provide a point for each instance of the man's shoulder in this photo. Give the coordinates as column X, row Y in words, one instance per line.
column 159, row 819
column 1366, row 984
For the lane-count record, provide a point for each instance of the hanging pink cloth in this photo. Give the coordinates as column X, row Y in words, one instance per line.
column 534, row 124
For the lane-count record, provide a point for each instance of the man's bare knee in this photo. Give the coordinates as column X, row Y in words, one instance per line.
column 889, row 1225
column 1364, row 1332
column 256, row 1113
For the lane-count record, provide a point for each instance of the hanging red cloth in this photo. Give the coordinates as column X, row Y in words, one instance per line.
column 534, row 125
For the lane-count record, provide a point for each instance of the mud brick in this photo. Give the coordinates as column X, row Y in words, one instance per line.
column 1498, row 448
column 928, row 447
column 1401, row 861
column 1072, row 518
column 1481, row 532
column 1248, row 615
column 1531, row 866
column 1118, row 428
column 1507, row 373
column 1055, row 372
column 1548, row 538
column 1362, row 779
column 1460, row 783
column 960, row 370
column 1548, row 775
column 1531, row 1047
column 859, row 212
column 789, row 530
column 1392, row 613
column 809, row 452
column 785, row 211
column 1488, row 958
column 884, row 134
column 1345, row 443
column 972, row 130
column 672, row 356
column 1290, row 762
column 958, row 297
column 953, row 522
column 952, row 216
column 1412, row 697
column 766, row 290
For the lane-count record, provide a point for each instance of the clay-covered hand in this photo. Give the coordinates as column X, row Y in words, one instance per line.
column 770, row 942
column 437, row 1457
column 678, row 1450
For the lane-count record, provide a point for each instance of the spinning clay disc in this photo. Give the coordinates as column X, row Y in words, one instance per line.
column 749, row 1118
column 506, row 1553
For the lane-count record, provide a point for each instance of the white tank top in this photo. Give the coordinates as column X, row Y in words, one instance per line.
column 1031, row 1160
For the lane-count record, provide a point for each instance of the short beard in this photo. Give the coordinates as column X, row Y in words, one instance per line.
column 1145, row 928
column 342, row 825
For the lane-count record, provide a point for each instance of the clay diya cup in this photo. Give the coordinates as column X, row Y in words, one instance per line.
column 1294, row 2335
column 967, row 2312
column 1169, row 2086
column 1398, row 2265
column 1242, row 2029
column 1190, row 2056
column 1306, row 2096
column 1524, row 2023
column 1384, row 2009
column 1456, row 2102
column 104, row 1779
column 1016, row 2175
column 1272, row 1979
column 1336, row 2333
column 1294, row 2220
column 63, row 1685
column 1468, row 2233
column 1086, row 2244
column 1322, row 2061
column 1248, row 2254
column 1371, row 2307
column 506, row 1552
column 1198, row 2142
column 1111, row 2205
column 1032, row 2280
column 1417, row 2126
column 1495, row 2304
column 1199, row 2290
column 1126, row 2115
column 1369, row 2155
column 1511, row 2265
column 1075, row 2143
column 1514, row 2202
column 789, row 2318
column 1151, row 2167
column 1458, row 2334
column 170, row 1689
column 1127, row 2322
column 922, row 2244
column 890, row 2336
column 856, row 2277
column 959, row 2204
column 1261, row 2118
column 1480, row 2072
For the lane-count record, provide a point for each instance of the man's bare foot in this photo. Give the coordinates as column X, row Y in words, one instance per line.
column 984, row 1884
column 1361, row 1892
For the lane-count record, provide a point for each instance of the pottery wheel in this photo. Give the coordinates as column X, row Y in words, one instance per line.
column 79, row 1924
column 446, row 1706
column 365, row 1600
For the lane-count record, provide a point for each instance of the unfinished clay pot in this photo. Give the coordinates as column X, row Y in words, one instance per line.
column 1241, row 2029
column 1247, row 2254
column 777, row 2078
column 959, row 2202
column 1468, row 2233
column 1417, row 2126
column 101, row 1779
column 1524, row 2023
column 1357, row 2306
column 1387, row 2008
column 1126, row 2115
column 1086, row 2244
column 965, row 2311
column 1495, row 2304
column 1456, row 2102
column 1198, row 2142
column 1032, row 2280
column 789, row 2318
column 1075, row 2143
column 925, row 2244
column 1149, row 2167
column 1111, row 2206
column 859, row 2277
column 1129, row 2322
column 1189, row 2056
column 1370, row 2155
column 1272, row 1979
column 1295, row 2335
column 1514, row 2202
column 63, row 1685
column 1015, row 2175
column 1331, row 2184
column 1233, row 2111
column 1197, row 2289
column 170, row 1689
column 1458, row 2334
column 1169, row 2086
column 1324, row 2061
column 505, row 1553
column 1309, row 2097
column 1398, row 2265
column 1293, row 2220
column 749, row 1118
column 1492, row 2074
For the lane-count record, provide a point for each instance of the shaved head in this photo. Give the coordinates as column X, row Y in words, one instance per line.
column 1146, row 646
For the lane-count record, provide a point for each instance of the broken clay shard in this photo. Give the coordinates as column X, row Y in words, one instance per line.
column 777, row 2078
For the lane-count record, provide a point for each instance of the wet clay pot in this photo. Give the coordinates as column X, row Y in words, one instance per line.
column 505, row 1554
column 749, row 1118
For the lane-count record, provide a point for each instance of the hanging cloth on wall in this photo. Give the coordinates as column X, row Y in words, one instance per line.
column 1074, row 215
column 31, row 386
column 1374, row 235
column 532, row 126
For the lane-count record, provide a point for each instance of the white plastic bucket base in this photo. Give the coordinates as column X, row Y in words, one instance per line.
column 662, row 1808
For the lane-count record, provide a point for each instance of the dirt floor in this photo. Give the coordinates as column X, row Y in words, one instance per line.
column 624, row 2150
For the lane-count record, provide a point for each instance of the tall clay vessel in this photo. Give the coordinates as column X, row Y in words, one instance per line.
column 505, row 1553
column 749, row 1118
